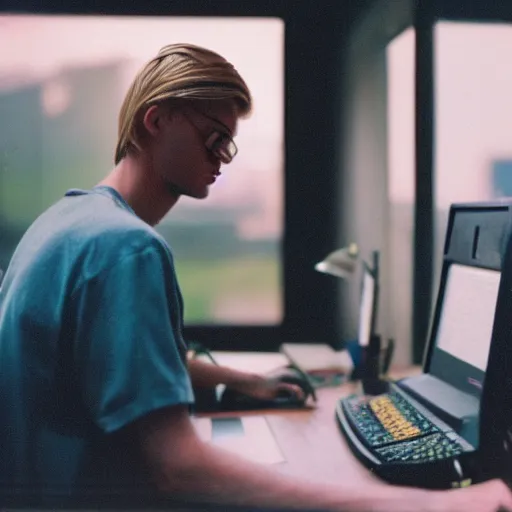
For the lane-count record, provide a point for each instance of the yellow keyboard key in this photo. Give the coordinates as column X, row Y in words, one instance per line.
column 392, row 419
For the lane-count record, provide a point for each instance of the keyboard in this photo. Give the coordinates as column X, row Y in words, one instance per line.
column 395, row 431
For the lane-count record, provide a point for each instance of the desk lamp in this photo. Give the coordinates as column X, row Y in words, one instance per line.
column 340, row 263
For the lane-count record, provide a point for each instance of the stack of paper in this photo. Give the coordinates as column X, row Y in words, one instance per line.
column 317, row 358
column 253, row 362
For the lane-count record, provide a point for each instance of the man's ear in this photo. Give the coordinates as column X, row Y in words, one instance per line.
column 152, row 119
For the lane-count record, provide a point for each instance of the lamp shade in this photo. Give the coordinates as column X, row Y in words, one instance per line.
column 340, row 263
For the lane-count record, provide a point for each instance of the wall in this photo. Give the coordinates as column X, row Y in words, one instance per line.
column 365, row 208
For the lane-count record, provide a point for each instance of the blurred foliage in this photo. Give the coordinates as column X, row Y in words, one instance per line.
column 246, row 281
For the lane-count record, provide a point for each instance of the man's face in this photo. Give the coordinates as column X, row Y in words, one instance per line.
column 191, row 146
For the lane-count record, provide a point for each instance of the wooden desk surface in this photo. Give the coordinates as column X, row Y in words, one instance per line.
column 311, row 440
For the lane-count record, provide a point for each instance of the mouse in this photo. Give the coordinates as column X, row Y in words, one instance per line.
column 232, row 400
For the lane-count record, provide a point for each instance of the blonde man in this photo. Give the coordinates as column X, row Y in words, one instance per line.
column 95, row 386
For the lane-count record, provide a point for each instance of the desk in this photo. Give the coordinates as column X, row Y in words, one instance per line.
column 310, row 438
column 311, row 441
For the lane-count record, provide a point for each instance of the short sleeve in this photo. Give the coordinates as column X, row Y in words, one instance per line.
column 127, row 351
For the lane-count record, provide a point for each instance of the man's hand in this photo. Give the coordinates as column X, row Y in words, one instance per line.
column 492, row 496
column 267, row 387
column 262, row 387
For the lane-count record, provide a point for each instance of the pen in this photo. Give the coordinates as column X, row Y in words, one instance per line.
column 199, row 349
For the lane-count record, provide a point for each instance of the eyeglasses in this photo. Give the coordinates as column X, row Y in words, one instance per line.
column 219, row 143
column 222, row 146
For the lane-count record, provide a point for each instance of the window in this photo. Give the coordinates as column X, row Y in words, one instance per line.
column 473, row 117
column 61, row 86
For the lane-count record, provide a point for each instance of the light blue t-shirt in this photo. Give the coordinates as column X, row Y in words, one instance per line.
column 90, row 340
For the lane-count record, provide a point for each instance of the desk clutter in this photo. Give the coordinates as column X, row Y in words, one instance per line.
column 449, row 427
column 318, row 358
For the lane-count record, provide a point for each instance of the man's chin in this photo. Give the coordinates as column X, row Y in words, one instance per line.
column 204, row 195
column 195, row 194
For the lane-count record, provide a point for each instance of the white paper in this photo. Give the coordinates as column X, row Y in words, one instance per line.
column 255, row 362
column 466, row 322
column 256, row 444
column 311, row 357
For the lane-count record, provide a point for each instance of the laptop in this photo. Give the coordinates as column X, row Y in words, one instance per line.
column 427, row 430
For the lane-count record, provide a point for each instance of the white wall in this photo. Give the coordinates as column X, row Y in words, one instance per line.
column 369, row 217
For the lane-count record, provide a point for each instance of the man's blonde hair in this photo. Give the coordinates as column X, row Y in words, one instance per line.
column 181, row 72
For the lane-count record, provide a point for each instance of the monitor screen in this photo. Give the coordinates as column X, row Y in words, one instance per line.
column 464, row 331
column 466, row 321
column 366, row 308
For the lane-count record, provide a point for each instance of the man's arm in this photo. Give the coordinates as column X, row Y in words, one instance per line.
column 185, row 467
column 208, row 375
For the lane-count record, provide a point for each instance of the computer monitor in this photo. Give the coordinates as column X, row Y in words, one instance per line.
column 462, row 394
column 464, row 332
column 367, row 306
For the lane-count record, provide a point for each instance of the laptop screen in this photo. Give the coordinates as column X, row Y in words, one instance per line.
column 367, row 307
column 464, row 330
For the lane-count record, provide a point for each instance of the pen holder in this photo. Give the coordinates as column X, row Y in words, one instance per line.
column 360, row 354
column 372, row 383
